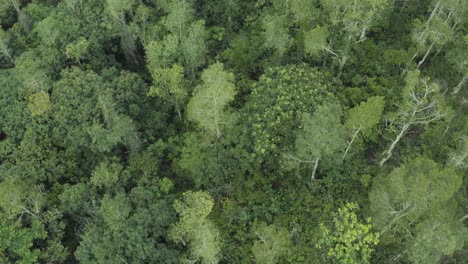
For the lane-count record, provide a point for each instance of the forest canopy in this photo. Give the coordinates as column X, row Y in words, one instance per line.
column 233, row 131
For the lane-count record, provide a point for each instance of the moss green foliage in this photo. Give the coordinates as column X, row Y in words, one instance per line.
column 233, row 131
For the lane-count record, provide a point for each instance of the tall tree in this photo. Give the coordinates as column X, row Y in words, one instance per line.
column 4, row 47
column 272, row 243
column 421, row 104
column 194, row 227
column 321, row 136
column 351, row 21
column 439, row 28
column 414, row 207
column 207, row 106
column 276, row 34
column 347, row 239
column 364, row 117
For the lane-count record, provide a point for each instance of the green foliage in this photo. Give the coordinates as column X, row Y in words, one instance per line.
column 77, row 50
column 365, row 116
column 161, row 53
column 348, row 240
column 39, row 103
column 194, row 228
column 321, row 136
column 180, row 131
column 422, row 192
column 207, row 105
column 16, row 242
column 106, row 175
column 170, row 85
column 277, row 101
column 315, row 40
column 272, row 243
column 128, row 228
column 193, row 45
column 4, row 45
column 276, row 35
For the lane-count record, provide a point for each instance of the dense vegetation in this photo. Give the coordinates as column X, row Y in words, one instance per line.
column 233, row 131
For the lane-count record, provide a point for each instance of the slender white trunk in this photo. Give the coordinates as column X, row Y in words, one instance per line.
column 464, row 217
column 343, row 60
column 425, row 55
column 460, row 85
column 351, row 142
column 436, row 8
column 312, row 177
column 388, row 153
column 4, row 50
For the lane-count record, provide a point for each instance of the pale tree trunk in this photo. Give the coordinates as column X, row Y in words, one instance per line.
column 464, row 217
column 362, row 37
column 16, row 6
column 425, row 55
column 388, row 153
column 4, row 50
column 436, row 8
column 342, row 60
column 312, row 177
column 460, row 85
column 351, row 142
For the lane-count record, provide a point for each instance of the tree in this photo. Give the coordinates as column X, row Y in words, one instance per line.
column 206, row 107
column 276, row 34
column 117, row 128
column 23, row 19
column 77, row 50
column 47, row 30
column 272, row 243
column 4, row 48
column 458, row 57
column 458, row 156
column 180, row 13
column 352, row 21
column 169, row 84
column 193, row 227
column 315, row 41
column 118, row 9
column 16, row 242
column 106, row 175
column 348, row 240
column 362, row 118
column 39, row 103
column 193, row 45
column 276, row 104
column 439, row 28
column 161, row 54
column 321, row 136
column 414, row 206
column 129, row 228
column 421, row 104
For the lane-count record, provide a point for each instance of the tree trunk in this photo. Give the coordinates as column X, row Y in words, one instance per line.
column 436, row 7
column 343, row 60
column 312, row 177
column 388, row 152
column 460, row 85
column 351, row 142
column 425, row 55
